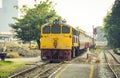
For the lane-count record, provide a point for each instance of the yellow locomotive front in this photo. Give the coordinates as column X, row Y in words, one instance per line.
column 56, row 41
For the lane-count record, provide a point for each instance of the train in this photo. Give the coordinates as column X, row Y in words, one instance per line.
column 61, row 42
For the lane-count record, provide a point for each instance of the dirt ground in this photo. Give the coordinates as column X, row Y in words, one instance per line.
column 31, row 59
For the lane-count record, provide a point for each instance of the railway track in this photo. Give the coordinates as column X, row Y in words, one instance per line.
column 37, row 71
column 46, row 73
column 112, row 63
column 40, row 70
column 28, row 71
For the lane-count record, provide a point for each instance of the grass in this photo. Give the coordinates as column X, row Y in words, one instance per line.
column 118, row 49
column 6, row 67
column 97, row 50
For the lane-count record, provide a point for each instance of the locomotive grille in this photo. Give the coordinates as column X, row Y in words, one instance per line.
column 55, row 54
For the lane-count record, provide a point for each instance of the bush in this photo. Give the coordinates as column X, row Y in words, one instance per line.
column 12, row 55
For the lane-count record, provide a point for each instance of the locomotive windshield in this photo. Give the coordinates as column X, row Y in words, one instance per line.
column 55, row 29
column 46, row 30
column 65, row 29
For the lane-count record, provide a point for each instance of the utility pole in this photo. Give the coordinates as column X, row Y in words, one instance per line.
column 29, row 37
column 94, row 35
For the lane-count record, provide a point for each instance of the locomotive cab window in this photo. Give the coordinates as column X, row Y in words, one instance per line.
column 46, row 29
column 65, row 29
column 74, row 32
column 55, row 29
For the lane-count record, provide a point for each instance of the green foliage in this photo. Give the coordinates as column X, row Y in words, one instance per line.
column 112, row 25
column 27, row 28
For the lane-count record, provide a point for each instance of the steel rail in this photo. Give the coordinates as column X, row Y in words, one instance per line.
column 116, row 76
column 114, row 57
column 26, row 71
column 47, row 70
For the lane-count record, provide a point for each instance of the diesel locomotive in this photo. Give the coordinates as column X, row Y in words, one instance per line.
column 60, row 41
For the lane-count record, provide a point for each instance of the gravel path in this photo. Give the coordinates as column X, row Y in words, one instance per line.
column 104, row 72
column 31, row 59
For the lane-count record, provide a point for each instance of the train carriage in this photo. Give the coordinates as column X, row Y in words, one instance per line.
column 60, row 41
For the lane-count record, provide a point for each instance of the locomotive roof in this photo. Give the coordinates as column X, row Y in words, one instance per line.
column 57, row 24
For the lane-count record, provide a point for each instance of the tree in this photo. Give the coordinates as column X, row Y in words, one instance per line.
column 112, row 25
column 28, row 27
column 100, row 34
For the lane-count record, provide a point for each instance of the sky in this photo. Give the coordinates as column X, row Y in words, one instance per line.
column 0, row 3
column 82, row 13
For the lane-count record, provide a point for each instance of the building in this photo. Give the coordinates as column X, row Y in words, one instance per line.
column 7, row 11
column 7, row 36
